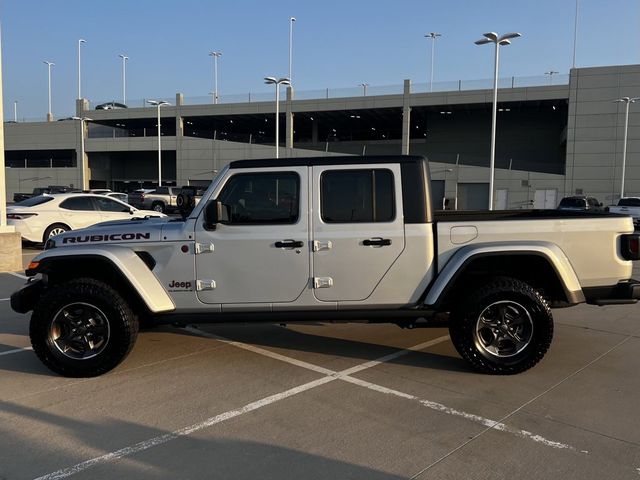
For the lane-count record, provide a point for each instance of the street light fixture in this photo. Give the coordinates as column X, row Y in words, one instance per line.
column 124, row 77
column 80, row 42
column 291, row 22
column 49, row 65
column 159, row 103
column 215, row 56
column 498, row 41
column 551, row 73
column 627, row 101
column 277, row 83
column 83, row 167
column 364, row 88
column 432, row 36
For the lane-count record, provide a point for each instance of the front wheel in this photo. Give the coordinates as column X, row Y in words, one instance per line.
column 503, row 328
column 82, row 328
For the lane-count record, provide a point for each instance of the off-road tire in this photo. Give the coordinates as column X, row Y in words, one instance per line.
column 122, row 323
column 464, row 319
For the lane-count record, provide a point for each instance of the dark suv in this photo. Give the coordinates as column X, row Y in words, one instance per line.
column 581, row 202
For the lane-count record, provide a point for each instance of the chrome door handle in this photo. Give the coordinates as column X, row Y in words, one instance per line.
column 289, row 244
column 377, row 242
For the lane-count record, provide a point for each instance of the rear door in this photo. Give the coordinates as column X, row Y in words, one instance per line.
column 358, row 228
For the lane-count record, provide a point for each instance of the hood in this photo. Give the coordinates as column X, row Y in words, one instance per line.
column 134, row 230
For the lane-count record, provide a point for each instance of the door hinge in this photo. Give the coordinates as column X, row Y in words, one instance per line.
column 204, row 248
column 318, row 245
column 322, row 282
column 205, row 285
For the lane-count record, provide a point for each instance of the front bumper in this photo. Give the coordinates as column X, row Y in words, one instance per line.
column 26, row 298
column 627, row 292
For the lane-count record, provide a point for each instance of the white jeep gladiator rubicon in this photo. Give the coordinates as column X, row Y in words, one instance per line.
column 341, row 238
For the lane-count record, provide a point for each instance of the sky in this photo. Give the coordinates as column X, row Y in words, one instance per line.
column 336, row 44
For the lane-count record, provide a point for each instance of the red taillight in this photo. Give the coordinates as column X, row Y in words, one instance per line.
column 20, row 216
column 631, row 247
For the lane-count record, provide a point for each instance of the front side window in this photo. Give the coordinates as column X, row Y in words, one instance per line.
column 78, row 203
column 355, row 196
column 108, row 205
column 262, row 198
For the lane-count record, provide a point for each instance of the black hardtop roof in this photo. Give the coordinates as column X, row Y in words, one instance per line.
column 337, row 160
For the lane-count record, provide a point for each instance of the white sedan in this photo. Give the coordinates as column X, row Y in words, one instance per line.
column 42, row 217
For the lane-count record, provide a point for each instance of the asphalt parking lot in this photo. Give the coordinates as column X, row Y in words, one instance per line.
column 325, row 401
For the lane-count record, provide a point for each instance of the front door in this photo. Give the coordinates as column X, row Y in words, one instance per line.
column 261, row 253
column 358, row 228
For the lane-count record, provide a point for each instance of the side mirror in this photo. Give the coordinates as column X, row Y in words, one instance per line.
column 214, row 212
column 131, row 211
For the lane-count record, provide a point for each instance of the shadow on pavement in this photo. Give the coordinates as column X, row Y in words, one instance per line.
column 70, row 441
column 272, row 336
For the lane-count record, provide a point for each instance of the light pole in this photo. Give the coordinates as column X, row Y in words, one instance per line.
column 80, row 42
column 159, row 103
column 575, row 36
column 291, row 22
column 124, row 77
column 49, row 65
column 499, row 41
column 83, row 166
column 15, row 111
column 277, row 83
column 432, row 36
column 364, row 88
column 551, row 73
column 627, row 101
column 215, row 56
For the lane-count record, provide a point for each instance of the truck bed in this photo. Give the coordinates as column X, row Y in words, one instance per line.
column 575, row 233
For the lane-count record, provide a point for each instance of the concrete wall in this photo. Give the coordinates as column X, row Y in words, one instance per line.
column 596, row 131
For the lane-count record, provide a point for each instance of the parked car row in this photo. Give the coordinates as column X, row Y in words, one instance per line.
column 39, row 218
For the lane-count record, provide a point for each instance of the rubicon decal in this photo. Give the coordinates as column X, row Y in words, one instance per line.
column 176, row 286
column 113, row 237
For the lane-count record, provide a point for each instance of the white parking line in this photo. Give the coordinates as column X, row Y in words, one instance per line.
column 330, row 376
column 17, row 350
column 4, row 299
column 345, row 375
column 17, row 275
column 161, row 439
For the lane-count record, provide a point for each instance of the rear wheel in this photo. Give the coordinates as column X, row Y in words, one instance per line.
column 505, row 327
column 158, row 207
column 53, row 230
column 82, row 328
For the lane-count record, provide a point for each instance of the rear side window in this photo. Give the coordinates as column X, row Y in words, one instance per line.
column 357, row 196
column 572, row 202
column 629, row 202
column 162, row 190
column 262, row 198
column 78, row 203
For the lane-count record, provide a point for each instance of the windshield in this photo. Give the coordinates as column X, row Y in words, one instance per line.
column 572, row 203
column 33, row 201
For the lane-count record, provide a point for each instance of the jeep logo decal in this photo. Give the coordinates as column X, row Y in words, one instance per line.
column 177, row 285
